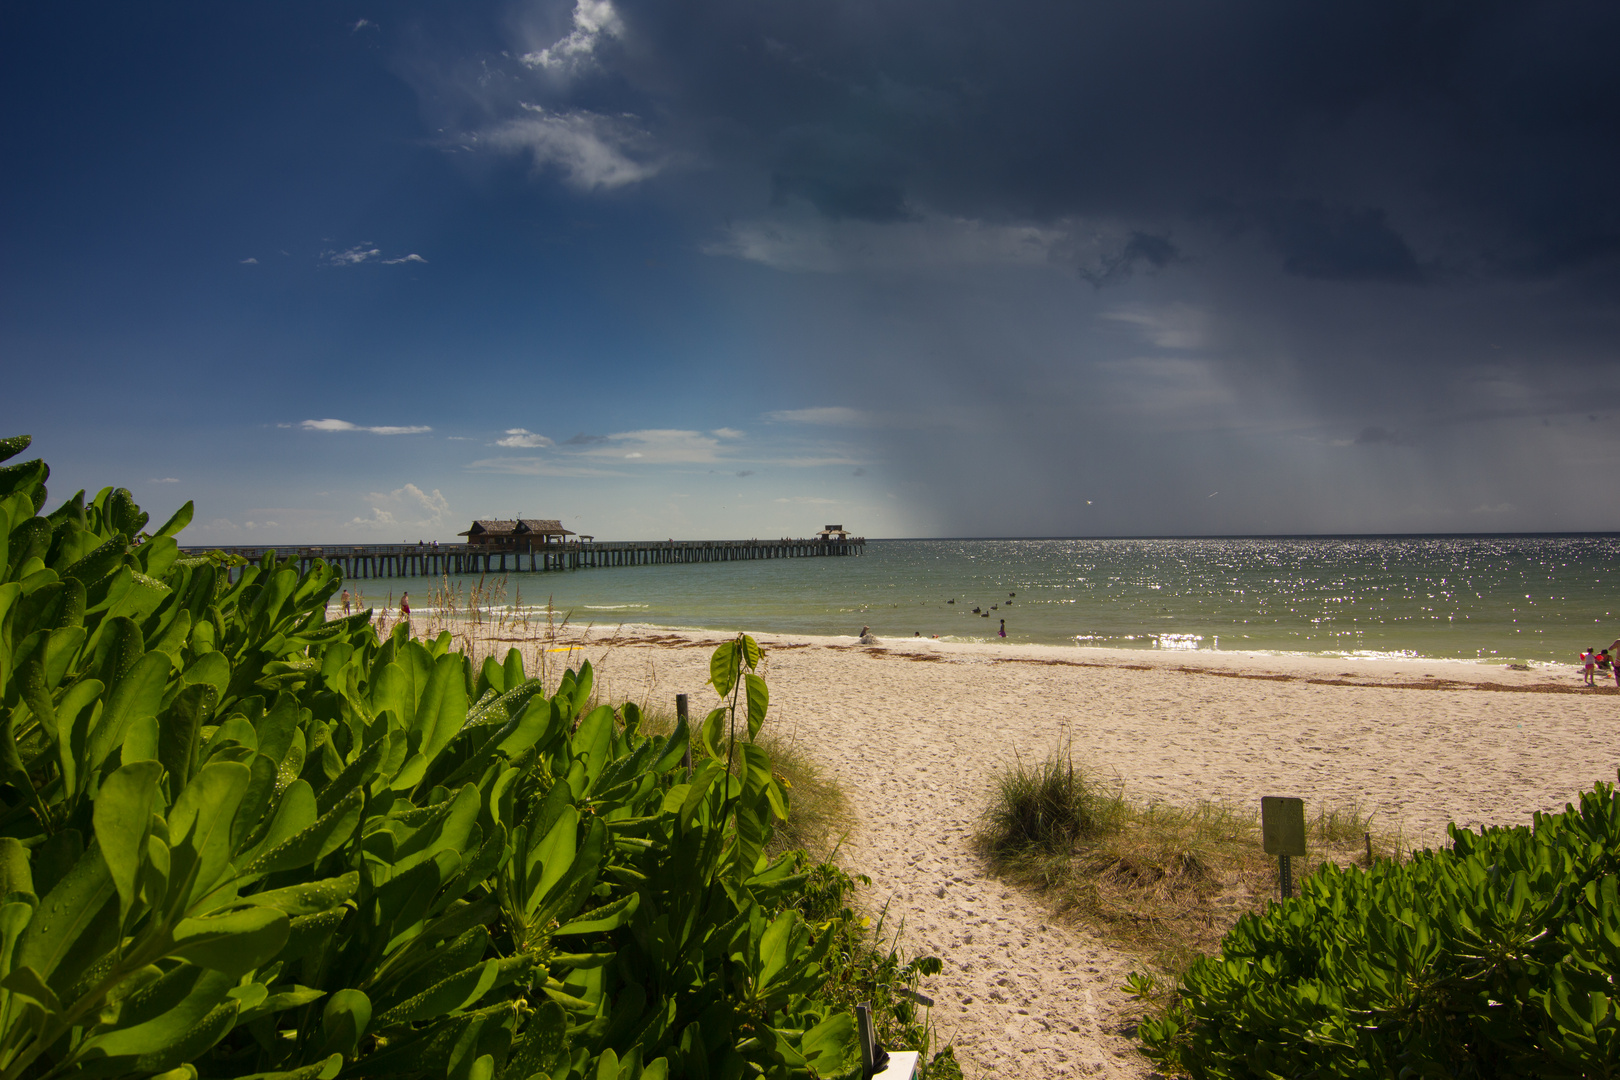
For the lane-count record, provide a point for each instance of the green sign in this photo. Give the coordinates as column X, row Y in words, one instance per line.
column 1282, row 825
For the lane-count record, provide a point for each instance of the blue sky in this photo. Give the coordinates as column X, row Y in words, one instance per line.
column 369, row 270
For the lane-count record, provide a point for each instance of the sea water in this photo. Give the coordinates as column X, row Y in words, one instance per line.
column 1492, row 598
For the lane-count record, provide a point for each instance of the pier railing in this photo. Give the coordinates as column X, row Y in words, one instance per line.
column 428, row 560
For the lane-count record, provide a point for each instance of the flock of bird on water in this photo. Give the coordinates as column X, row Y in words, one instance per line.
column 993, row 607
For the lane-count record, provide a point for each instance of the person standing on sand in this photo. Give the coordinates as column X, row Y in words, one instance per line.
column 405, row 605
column 1589, row 663
column 345, row 601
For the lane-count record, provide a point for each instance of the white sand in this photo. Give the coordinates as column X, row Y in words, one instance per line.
column 913, row 730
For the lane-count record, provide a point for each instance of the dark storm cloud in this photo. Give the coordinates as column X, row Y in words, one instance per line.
column 1362, row 140
column 1268, row 222
column 1142, row 249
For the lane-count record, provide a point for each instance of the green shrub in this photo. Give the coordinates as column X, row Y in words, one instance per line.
column 1494, row 957
column 237, row 840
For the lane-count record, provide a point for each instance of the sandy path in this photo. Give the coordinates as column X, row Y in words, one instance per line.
column 914, row 744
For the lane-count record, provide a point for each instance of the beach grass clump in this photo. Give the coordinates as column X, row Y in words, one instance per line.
column 1043, row 810
column 1163, row 880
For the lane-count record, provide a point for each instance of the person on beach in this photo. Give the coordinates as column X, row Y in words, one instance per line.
column 1589, row 663
column 345, row 601
column 1603, row 660
column 1003, row 627
column 405, row 605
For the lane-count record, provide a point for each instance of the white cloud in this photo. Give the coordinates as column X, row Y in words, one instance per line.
column 657, row 446
column 364, row 252
column 406, row 507
column 533, row 466
column 589, row 149
column 825, row 416
column 344, row 425
column 809, row 500
column 352, row 257
column 164, row 480
column 249, row 261
column 522, row 437
column 593, row 20
column 363, row 24
column 728, row 433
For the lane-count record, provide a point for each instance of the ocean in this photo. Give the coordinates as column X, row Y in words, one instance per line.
column 1501, row 599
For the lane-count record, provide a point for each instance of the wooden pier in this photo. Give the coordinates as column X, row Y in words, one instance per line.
column 426, row 560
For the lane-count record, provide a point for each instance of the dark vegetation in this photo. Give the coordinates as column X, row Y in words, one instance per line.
column 240, row 840
column 1494, row 957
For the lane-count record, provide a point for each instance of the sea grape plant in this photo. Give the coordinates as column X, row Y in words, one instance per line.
column 1496, row 956
column 240, row 840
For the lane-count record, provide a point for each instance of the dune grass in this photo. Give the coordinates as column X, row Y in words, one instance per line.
column 1163, row 881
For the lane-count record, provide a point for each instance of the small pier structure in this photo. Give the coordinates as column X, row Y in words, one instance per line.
column 426, row 560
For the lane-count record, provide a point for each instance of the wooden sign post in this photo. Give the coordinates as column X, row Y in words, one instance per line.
column 1282, row 833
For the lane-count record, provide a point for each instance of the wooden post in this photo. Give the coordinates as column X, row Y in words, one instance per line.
column 680, row 713
column 863, row 1020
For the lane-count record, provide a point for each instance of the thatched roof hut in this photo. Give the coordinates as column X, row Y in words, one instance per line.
column 518, row 534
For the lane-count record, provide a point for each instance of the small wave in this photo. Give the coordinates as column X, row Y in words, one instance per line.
column 615, row 607
column 1177, row 641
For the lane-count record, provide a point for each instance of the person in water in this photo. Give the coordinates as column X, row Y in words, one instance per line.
column 1003, row 627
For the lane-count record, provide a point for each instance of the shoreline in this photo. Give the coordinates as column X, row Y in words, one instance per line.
column 1314, row 668
column 566, row 616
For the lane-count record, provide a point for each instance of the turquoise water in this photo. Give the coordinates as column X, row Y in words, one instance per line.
column 1499, row 598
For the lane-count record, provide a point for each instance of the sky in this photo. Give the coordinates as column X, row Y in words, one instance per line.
column 670, row 268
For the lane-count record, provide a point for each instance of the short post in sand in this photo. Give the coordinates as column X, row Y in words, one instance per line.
column 680, row 715
column 863, row 1024
column 1282, row 833
column 876, row 1062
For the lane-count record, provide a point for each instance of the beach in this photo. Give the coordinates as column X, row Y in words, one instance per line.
column 914, row 729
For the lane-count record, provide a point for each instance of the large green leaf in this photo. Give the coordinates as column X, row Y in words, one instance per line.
column 180, row 728
column 139, row 693
column 344, row 1021
column 200, row 821
column 122, row 818
column 723, row 668
column 443, row 706
column 307, row 897
column 329, row 832
column 75, row 908
column 454, row 993
column 759, row 698
column 235, row 942
column 600, row 920
column 162, row 1013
